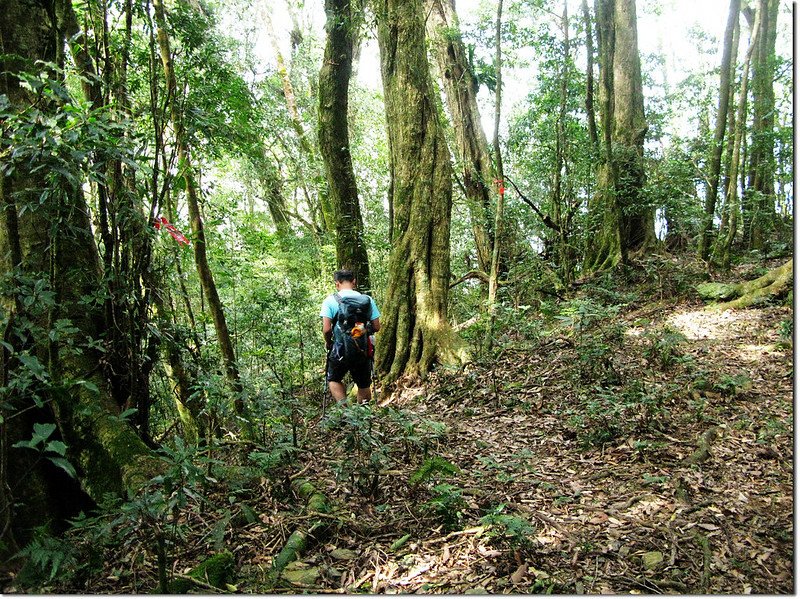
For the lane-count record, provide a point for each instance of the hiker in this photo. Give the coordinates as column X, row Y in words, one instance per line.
column 349, row 318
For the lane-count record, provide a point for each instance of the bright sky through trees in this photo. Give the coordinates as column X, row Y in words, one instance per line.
column 687, row 33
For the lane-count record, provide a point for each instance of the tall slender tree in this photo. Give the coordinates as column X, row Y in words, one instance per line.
column 334, row 139
column 722, row 250
column 494, row 271
column 759, row 201
column 193, row 200
column 719, row 129
column 471, row 145
column 415, row 332
column 590, row 84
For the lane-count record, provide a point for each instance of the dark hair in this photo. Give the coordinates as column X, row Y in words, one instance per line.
column 344, row 275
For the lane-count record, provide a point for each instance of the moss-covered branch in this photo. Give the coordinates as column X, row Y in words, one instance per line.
column 316, row 503
column 213, row 573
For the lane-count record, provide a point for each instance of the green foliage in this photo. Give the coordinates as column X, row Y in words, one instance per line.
column 786, row 332
column 733, row 384
column 447, row 504
column 662, row 347
column 279, row 458
column 48, row 560
column 582, row 314
column 771, row 428
column 608, row 413
column 363, row 442
column 66, row 146
column 152, row 521
column 53, row 450
column 431, row 467
column 414, row 433
column 509, row 528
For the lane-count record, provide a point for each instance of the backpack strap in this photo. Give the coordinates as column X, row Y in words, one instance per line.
column 338, row 299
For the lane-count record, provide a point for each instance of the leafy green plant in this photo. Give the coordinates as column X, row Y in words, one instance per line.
column 414, row 433
column 733, row 385
column 432, row 467
column 153, row 516
column 50, row 449
column 606, row 413
column 786, row 332
column 509, row 528
column 662, row 347
column 771, row 428
column 48, row 559
column 447, row 504
column 363, row 443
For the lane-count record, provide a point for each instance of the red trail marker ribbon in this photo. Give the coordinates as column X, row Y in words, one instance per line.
column 176, row 235
column 500, row 187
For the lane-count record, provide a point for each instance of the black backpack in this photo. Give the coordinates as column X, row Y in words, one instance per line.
column 352, row 328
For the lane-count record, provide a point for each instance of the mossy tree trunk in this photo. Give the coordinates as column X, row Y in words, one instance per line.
column 472, row 147
column 773, row 285
column 334, row 139
column 415, row 331
column 620, row 221
column 46, row 243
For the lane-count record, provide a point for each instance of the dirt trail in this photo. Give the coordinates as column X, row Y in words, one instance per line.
column 645, row 511
column 647, row 449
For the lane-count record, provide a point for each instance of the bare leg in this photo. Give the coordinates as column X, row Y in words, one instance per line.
column 337, row 390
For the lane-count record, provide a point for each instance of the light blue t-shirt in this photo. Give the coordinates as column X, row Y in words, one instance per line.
column 330, row 307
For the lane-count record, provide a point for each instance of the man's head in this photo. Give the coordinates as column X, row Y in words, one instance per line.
column 344, row 278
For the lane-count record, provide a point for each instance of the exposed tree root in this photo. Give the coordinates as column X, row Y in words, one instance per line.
column 774, row 284
column 703, row 446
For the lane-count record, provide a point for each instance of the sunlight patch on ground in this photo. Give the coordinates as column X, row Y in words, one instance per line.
column 700, row 324
column 754, row 353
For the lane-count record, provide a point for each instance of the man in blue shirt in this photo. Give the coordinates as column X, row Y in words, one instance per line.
column 358, row 368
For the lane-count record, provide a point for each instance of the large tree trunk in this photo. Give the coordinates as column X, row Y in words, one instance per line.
column 472, row 147
column 105, row 451
column 198, row 230
column 334, row 139
column 719, row 129
column 415, row 331
column 620, row 223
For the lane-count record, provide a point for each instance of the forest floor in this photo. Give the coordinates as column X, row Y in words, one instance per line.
column 637, row 443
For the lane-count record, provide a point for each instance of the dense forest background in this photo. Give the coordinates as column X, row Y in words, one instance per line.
column 540, row 208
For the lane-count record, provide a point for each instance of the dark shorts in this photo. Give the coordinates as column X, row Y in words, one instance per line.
column 358, row 369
